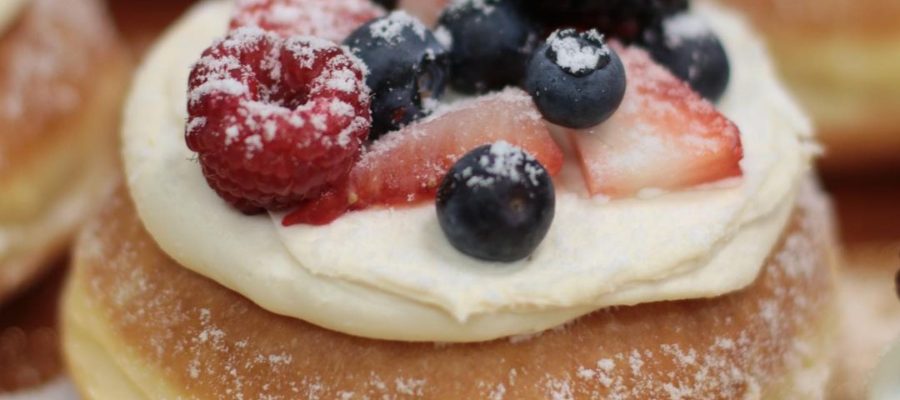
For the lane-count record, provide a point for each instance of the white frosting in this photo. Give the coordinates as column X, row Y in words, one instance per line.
column 9, row 10
column 391, row 274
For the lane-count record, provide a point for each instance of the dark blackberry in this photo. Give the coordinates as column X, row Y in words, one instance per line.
column 622, row 19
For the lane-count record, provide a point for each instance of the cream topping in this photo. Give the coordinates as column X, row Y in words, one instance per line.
column 9, row 10
column 391, row 274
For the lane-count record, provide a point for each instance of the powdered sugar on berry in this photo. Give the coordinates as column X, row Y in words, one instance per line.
column 483, row 5
column 300, row 105
column 328, row 19
column 391, row 29
column 686, row 26
column 505, row 163
column 574, row 57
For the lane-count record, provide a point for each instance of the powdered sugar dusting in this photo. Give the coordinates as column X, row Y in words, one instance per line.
column 331, row 20
column 504, row 161
column 574, row 56
column 484, row 6
column 684, row 26
column 391, row 29
column 444, row 37
column 226, row 346
column 273, row 109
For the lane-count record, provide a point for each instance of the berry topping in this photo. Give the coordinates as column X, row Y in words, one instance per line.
column 408, row 67
column 406, row 166
column 622, row 19
column 275, row 121
column 496, row 203
column 687, row 46
column 664, row 136
column 388, row 4
column 327, row 19
column 576, row 80
column 491, row 43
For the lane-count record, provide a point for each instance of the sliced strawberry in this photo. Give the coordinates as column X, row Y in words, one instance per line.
column 407, row 166
column 664, row 136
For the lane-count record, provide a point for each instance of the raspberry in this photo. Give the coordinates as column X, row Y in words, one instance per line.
column 276, row 121
column 328, row 19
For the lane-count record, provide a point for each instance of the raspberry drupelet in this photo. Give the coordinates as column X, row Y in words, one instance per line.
column 276, row 121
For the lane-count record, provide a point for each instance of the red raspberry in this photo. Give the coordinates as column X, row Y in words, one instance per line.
column 328, row 19
column 276, row 121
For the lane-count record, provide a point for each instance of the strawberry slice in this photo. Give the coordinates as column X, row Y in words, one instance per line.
column 406, row 166
column 664, row 136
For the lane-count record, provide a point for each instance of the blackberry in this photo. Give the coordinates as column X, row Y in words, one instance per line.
column 626, row 20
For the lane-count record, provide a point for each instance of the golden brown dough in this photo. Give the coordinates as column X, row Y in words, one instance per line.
column 137, row 324
column 840, row 57
column 62, row 77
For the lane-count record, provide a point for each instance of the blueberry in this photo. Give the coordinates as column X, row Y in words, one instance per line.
column 407, row 67
column 686, row 45
column 496, row 203
column 576, row 80
column 491, row 42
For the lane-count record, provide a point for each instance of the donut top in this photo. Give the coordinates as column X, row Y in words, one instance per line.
column 388, row 270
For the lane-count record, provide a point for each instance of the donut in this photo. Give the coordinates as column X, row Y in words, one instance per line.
column 621, row 216
column 138, row 325
column 838, row 57
column 62, row 77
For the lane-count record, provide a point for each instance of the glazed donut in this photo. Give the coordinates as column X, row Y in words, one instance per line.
column 62, row 74
column 840, row 58
column 683, row 249
column 138, row 325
